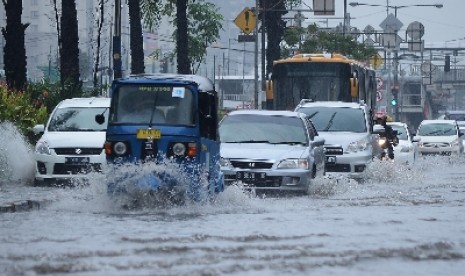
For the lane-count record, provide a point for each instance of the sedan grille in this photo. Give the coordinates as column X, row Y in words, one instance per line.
column 78, row 151
column 436, row 145
column 251, row 165
column 76, row 169
column 333, row 150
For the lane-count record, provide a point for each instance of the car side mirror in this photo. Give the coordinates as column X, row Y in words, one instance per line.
column 38, row 129
column 100, row 119
column 318, row 141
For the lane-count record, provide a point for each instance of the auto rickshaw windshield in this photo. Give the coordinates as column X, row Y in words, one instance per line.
column 145, row 104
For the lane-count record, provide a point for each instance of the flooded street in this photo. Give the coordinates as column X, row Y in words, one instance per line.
column 399, row 221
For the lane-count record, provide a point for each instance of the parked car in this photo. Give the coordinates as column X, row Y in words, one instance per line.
column 347, row 128
column 458, row 115
column 71, row 144
column 439, row 137
column 270, row 150
column 405, row 152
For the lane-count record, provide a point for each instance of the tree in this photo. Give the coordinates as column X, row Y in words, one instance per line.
column 69, row 50
column 197, row 29
column 136, row 41
column 272, row 11
column 182, row 42
column 99, row 32
column 333, row 42
column 14, row 52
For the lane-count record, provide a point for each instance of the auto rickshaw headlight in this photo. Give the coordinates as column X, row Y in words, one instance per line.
column 120, row 148
column 179, row 149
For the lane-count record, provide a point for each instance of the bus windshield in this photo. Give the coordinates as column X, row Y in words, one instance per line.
column 316, row 81
column 152, row 104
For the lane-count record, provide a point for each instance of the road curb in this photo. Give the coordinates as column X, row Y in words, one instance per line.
column 22, row 205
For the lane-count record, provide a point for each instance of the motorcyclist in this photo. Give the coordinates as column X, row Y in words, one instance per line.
column 390, row 134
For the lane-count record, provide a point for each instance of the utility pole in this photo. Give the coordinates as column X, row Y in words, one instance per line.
column 117, row 74
column 256, row 91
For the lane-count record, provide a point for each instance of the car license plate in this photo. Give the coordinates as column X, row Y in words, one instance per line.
column 77, row 160
column 331, row 159
column 244, row 175
column 148, row 134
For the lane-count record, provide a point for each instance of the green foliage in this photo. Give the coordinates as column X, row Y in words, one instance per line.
column 292, row 35
column 322, row 41
column 204, row 28
column 19, row 109
column 205, row 23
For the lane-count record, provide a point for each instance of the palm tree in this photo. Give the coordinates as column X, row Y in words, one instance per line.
column 182, row 46
column 272, row 12
column 69, row 50
column 135, row 25
column 14, row 52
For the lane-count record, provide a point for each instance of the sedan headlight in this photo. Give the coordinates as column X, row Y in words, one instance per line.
column 42, row 147
column 454, row 143
column 225, row 162
column 360, row 145
column 294, row 163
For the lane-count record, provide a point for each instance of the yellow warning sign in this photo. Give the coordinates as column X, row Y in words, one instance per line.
column 376, row 60
column 246, row 21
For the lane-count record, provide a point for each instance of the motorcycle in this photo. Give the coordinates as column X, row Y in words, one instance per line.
column 386, row 145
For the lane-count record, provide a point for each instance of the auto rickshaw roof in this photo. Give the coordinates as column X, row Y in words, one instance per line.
column 205, row 84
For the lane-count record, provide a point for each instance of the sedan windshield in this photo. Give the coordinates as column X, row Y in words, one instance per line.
column 251, row 128
column 77, row 119
column 401, row 132
column 336, row 118
column 437, row 130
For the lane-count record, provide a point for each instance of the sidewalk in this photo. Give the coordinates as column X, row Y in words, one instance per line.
column 20, row 198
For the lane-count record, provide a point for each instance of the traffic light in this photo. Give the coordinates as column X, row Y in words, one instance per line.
column 394, row 102
column 447, row 64
column 395, row 93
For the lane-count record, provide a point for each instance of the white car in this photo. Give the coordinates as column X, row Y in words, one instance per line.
column 439, row 137
column 72, row 142
column 346, row 127
column 405, row 152
column 268, row 150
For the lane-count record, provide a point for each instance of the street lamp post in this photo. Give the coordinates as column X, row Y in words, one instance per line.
column 396, row 86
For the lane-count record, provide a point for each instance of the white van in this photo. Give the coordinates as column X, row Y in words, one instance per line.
column 346, row 127
column 72, row 142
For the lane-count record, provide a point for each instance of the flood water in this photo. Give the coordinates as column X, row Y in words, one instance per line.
column 399, row 221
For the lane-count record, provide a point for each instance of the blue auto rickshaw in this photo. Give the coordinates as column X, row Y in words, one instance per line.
column 162, row 135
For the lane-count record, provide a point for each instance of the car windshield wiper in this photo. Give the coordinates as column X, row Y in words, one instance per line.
column 330, row 122
column 249, row 141
column 290, row 142
column 434, row 133
column 313, row 114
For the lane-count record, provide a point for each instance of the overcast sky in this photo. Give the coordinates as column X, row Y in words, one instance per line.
column 441, row 25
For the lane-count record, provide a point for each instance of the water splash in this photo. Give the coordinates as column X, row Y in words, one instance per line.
column 16, row 156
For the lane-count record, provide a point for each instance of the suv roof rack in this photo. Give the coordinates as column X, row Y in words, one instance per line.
column 304, row 101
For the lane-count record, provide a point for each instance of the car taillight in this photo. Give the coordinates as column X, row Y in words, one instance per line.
column 191, row 149
column 107, row 147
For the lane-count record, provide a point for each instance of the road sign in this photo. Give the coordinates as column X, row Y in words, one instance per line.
column 391, row 24
column 390, row 41
column 376, row 60
column 246, row 21
column 415, row 30
column 379, row 83
column 379, row 96
column 246, row 38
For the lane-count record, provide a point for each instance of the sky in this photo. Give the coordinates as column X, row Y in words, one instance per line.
column 443, row 25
